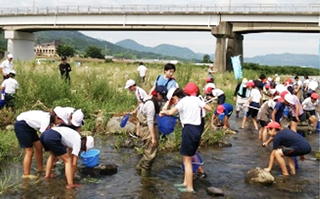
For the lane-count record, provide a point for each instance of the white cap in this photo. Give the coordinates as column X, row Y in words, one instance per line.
column 12, row 72
column 269, row 79
column 10, row 56
column 61, row 113
column 276, row 97
column 170, row 93
column 244, row 82
column 129, row 83
column 77, row 118
column 90, row 142
column 289, row 99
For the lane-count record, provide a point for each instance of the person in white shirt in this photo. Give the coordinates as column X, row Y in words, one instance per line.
column 26, row 126
column 215, row 93
column 139, row 92
column 254, row 105
column 311, row 106
column 142, row 71
column 6, row 66
column 10, row 87
column 56, row 140
column 189, row 108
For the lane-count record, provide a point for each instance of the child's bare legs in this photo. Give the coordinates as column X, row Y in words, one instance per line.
column 279, row 157
column 244, row 121
column 271, row 161
column 39, row 155
column 200, row 169
column 292, row 166
column 264, row 134
column 188, row 174
column 68, row 169
column 51, row 159
column 293, row 126
column 138, row 126
column 254, row 121
column 261, row 133
column 27, row 160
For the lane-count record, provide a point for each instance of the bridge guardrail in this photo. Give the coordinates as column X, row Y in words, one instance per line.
column 147, row 9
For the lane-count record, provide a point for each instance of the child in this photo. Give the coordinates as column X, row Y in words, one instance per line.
column 142, row 71
column 26, row 126
column 222, row 113
column 216, row 93
column 296, row 111
column 209, row 84
column 254, row 105
column 10, row 87
column 210, row 73
column 189, row 108
column 56, row 140
column 292, row 145
column 241, row 95
column 311, row 106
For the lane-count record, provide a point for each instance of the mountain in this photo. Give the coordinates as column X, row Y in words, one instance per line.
column 163, row 49
column 286, row 59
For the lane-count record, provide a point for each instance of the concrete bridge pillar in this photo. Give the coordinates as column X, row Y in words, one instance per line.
column 20, row 44
column 221, row 32
column 234, row 48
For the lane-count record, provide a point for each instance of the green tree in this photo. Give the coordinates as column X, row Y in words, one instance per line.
column 93, row 52
column 65, row 50
column 206, row 59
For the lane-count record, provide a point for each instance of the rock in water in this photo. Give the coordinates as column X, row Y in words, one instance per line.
column 99, row 170
column 258, row 175
column 215, row 191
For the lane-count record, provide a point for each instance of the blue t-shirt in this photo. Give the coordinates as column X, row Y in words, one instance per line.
column 162, row 81
column 228, row 108
column 279, row 107
column 289, row 138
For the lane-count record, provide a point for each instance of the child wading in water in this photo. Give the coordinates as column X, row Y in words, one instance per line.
column 189, row 108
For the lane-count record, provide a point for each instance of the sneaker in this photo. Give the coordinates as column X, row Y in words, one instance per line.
column 185, row 190
column 179, row 185
column 202, row 175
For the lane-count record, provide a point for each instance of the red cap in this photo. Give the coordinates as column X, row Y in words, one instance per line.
column 280, row 99
column 220, row 109
column 267, row 86
column 283, row 93
column 208, row 80
column 191, row 89
column 289, row 80
column 314, row 96
column 250, row 84
column 209, row 90
column 274, row 125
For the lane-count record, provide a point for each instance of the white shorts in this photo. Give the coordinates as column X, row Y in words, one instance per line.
column 240, row 102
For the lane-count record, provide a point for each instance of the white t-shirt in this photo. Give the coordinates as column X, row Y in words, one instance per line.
column 69, row 138
column 142, row 70
column 256, row 95
column 6, row 66
column 10, row 85
column 38, row 120
column 189, row 110
column 308, row 105
column 217, row 92
column 140, row 94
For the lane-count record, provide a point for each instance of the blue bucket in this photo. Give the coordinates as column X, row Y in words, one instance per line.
column 90, row 158
column 124, row 120
column 166, row 124
column 196, row 162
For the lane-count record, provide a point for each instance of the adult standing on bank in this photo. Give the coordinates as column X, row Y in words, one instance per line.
column 210, row 73
column 142, row 69
column 65, row 69
column 6, row 66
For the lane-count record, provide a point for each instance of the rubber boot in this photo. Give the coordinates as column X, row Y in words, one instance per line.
column 145, row 172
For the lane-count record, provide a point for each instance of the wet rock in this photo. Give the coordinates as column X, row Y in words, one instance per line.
column 215, row 191
column 288, row 183
column 100, row 170
column 304, row 129
column 258, row 175
column 9, row 127
column 113, row 126
column 222, row 144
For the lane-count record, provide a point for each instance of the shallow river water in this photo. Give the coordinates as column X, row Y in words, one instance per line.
column 226, row 169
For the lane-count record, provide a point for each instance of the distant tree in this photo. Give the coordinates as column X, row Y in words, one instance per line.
column 65, row 50
column 206, row 59
column 94, row 52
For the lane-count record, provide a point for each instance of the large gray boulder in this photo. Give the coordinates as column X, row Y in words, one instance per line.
column 113, row 126
column 258, row 175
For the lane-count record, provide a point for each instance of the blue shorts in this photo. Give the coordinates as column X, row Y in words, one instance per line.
column 221, row 99
column 251, row 111
column 191, row 135
column 51, row 141
column 25, row 134
column 288, row 151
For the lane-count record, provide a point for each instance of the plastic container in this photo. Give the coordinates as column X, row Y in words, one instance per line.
column 166, row 124
column 196, row 162
column 124, row 120
column 90, row 158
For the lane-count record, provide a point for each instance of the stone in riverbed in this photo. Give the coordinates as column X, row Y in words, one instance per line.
column 99, row 170
column 215, row 191
column 258, row 175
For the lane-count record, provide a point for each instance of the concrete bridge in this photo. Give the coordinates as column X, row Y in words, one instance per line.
column 227, row 23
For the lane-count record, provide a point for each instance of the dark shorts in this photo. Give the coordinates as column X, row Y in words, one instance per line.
column 230, row 113
column 191, row 135
column 51, row 141
column 221, row 99
column 287, row 151
column 253, row 112
column 309, row 113
column 9, row 100
column 301, row 118
column 263, row 123
column 25, row 134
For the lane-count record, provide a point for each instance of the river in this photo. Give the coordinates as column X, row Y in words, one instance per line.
column 226, row 169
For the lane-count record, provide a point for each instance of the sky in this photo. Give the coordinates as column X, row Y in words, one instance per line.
column 200, row 42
